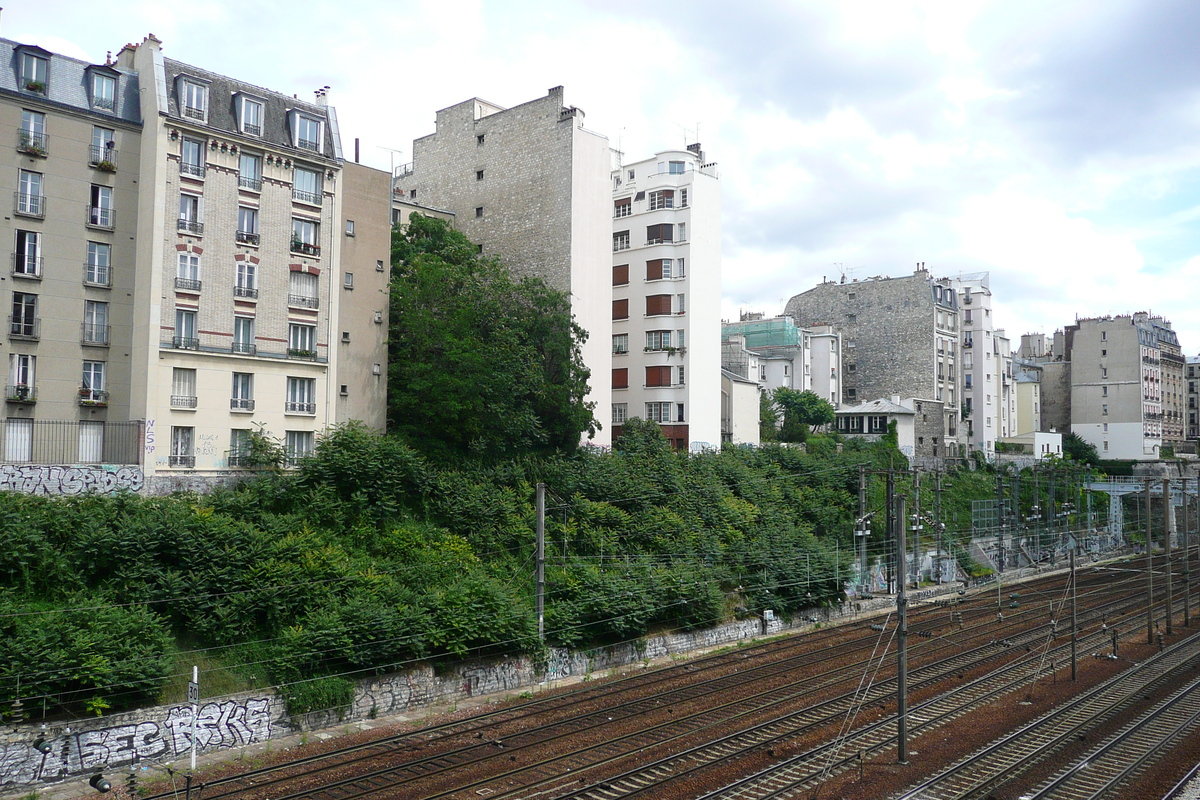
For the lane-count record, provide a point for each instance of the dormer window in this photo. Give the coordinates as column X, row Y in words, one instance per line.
column 104, row 90
column 250, row 115
column 306, row 132
column 35, row 71
column 193, row 99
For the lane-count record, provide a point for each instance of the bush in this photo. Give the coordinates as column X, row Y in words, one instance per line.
column 319, row 694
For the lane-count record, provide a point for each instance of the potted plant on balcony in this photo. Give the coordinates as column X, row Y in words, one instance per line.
column 36, row 86
column 106, row 166
column 31, row 145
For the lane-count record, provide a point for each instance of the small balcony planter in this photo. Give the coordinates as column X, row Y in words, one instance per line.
column 35, row 86
column 106, row 166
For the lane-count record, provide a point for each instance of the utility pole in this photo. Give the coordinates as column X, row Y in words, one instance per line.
column 901, row 644
column 541, row 562
column 917, row 527
column 1187, row 565
column 1166, row 487
column 891, row 527
column 1149, row 571
column 862, row 528
column 1074, row 616
column 937, row 521
column 194, row 699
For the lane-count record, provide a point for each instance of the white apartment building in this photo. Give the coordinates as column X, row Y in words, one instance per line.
column 989, row 395
column 666, row 296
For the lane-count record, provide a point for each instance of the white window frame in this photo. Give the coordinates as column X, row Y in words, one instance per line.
column 27, row 254
column 98, row 268
column 104, row 99
column 620, row 343
column 250, row 178
column 302, row 337
column 243, row 335
column 305, row 143
column 620, row 413
column 193, row 99
column 35, row 69
column 298, row 445
column 251, row 112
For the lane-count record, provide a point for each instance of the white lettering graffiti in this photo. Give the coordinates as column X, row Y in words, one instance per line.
column 47, row 480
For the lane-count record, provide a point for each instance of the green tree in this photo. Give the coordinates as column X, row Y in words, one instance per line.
column 1076, row 449
column 800, row 412
column 768, row 422
column 480, row 364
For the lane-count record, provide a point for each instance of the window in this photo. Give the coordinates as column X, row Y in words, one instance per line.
column 1104, row 372
column 658, row 234
column 241, row 396
column 24, row 322
column 658, row 376
column 32, row 136
column 301, row 396
column 182, row 453
column 302, row 341
column 92, row 389
column 239, row 447
column 30, row 199
column 349, row 227
column 304, row 237
column 185, row 330
column 1103, row 353
column 183, row 388
column 679, row 307
column 302, row 290
column 681, row 380
column 245, row 279
column 348, row 280
column 103, row 152
column 620, row 309
column 664, row 268
column 478, row 211
column 621, row 275
column 95, row 323
column 35, row 71
column 306, row 186
column 27, row 258
column 307, row 132
column 247, row 229
column 191, row 158
column 1105, row 425
column 967, row 380
column 658, row 340
column 187, row 272
column 18, row 439
column 675, row 167
column 1104, row 409
column 658, row 305
column 620, row 413
column 189, row 215
column 681, row 235
column 620, row 378
column 1104, row 336
column 1104, row 391
column 620, row 241
column 480, row 139
column 631, row 174
column 658, row 412
column 195, row 99
column 250, row 115
column 683, row 198
column 243, row 336
column 622, row 207
column 478, row 174
column 250, row 172
column 620, row 343
column 21, row 373
column 663, row 198
column 299, row 445
column 100, row 212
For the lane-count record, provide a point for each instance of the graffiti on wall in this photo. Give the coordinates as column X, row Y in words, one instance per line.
column 225, row 724
column 52, row 480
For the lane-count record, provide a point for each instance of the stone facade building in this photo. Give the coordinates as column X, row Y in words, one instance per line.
column 530, row 185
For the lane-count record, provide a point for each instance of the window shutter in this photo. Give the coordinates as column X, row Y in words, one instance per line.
column 620, row 309
column 654, row 269
column 658, row 376
column 620, row 276
column 620, row 378
column 658, row 304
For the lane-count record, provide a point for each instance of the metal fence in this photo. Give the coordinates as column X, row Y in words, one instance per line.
column 37, row 441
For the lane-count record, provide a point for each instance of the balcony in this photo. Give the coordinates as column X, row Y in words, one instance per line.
column 32, row 144
column 245, row 291
column 303, row 301
column 94, row 335
column 100, row 217
column 185, row 343
column 26, row 266
column 244, row 348
column 27, row 328
column 309, row 144
column 236, row 459
column 312, row 198
column 20, row 393
column 97, row 275
column 183, row 461
column 245, row 237
column 193, row 112
column 190, row 226
column 183, row 401
column 95, row 398
column 187, row 284
column 29, row 205
column 102, row 158
column 302, row 355
column 194, row 170
column 248, row 182
column 294, row 407
column 241, row 404
column 306, row 249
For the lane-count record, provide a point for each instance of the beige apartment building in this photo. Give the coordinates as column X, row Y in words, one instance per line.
column 177, row 277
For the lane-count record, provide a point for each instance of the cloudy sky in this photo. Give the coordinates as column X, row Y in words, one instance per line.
column 1056, row 145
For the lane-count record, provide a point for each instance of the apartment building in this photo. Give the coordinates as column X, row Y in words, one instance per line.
column 1118, row 388
column 899, row 337
column 1193, row 399
column 666, row 296
column 178, row 238
column 530, row 185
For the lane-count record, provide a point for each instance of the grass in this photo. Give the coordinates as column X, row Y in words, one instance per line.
column 216, row 678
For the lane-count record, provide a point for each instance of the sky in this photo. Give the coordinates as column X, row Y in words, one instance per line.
column 1054, row 145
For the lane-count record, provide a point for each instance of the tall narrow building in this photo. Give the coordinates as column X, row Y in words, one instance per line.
column 528, row 184
column 666, row 296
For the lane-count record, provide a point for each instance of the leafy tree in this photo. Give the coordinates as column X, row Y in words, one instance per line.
column 800, row 411
column 1075, row 448
column 480, row 364
column 641, row 436
column 768, row 422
